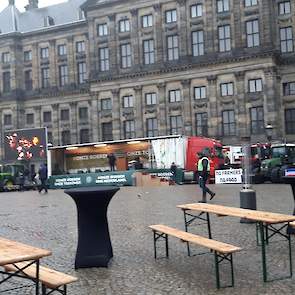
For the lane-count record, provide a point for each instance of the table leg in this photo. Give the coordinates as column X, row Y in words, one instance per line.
column 264, row 267
column 209, row 226
column 37, row 276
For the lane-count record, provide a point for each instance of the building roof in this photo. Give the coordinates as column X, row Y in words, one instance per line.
column 12, row 20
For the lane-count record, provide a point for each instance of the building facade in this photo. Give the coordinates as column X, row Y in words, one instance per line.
column 114, row 69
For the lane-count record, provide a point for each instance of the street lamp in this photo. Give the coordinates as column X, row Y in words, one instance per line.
column 269, row 131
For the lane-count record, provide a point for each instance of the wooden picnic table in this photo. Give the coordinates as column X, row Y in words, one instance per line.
column 265, row 224
column 12, row 252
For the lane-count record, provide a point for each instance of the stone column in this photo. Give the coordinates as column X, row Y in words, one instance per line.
column 94, row 117
column 55, row 124
column 159, row 30
column 187, row 107
column 116, row 114
column 138, row 111
column 242, row 126
column 182, row 27
column 214, row 122
column 114, row 63
column 272, row 104
column 162, row 109
column 134, row 37
column 74, row 122
column 92, row 48
column 52, row 64
column 71, row 60
column 37, row 114
column 36, row 73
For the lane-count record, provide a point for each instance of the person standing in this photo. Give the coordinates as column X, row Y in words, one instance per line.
column 112, row 161
column 203, row 173
column 43, row 175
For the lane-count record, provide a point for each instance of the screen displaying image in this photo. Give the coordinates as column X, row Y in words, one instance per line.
column 25, row 144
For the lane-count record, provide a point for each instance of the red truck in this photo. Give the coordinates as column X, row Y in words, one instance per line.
column 210, row 147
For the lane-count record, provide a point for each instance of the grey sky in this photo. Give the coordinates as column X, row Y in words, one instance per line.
column 22, row 3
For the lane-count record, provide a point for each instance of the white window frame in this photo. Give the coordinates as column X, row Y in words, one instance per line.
column 102, row 30
column 171, row 16
column 252, row 33
column 174, row 95
column 286, row 39
column 128, row 101
column 200, row 92
column 227, row 89
column 255, row 85
column 224, row 38
column 196, row 10
column 147, row 21
column 124, row 25
column 151, row 98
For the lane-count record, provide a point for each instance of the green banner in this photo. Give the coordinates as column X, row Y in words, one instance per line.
column 90, row 179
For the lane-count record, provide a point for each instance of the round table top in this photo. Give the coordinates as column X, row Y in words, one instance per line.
column 92, row 189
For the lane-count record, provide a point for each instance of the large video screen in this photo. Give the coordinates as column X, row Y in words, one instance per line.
column 25, row 144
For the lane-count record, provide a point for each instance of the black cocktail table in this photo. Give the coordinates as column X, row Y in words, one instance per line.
column 291, row 180
column 94, row 243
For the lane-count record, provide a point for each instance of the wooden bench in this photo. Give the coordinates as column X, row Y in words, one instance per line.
column 222, row 251
column 49, row 278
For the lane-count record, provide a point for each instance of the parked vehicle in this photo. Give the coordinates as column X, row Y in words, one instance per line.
column 281, row 156
column 232, row 156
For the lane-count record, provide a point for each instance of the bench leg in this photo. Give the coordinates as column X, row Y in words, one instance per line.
column 157, row 236
column 218, row 260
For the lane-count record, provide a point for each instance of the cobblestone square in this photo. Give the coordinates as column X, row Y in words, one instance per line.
column 50, row 221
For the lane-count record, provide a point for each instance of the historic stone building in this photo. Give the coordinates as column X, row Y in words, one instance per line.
column 116, row 69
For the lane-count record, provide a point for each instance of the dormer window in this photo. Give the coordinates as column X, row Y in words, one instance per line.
column 48, row 21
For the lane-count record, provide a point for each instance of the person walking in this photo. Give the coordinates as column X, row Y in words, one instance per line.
column 112, row 161
column 203, row 173
column 43, row 175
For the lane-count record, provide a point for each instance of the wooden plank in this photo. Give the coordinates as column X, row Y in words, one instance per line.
column 51, row 278
column 12, row 251
column 263, row 216
column 199, row 240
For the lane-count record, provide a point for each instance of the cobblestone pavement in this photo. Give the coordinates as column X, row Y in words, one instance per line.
column 49, row 221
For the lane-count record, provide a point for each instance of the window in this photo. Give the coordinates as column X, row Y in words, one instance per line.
column 227, row 89
column 252, row 31
column 129, row 129
column 175, row 125
column 224, row 38
column 128, row 101
column 286, row 38
column 250, row 3
column 171, row 16
column 83, row 113
column 44, row 53
column 45, row 77
column 62, row 50
column 28, row 55
column 152, row 127
column 150, row 98
column 107, row 131
column 257, row 120
column 147, row 20
column 102, row 30
column 172, row 47
column 106, row 104
column 198, row 43
column 80, row 47
column 65, row 115
column 30, row 119
column 222, row 6
column 124, row 26
column 200, row 92
column 284, row 7
column 7, row 119
column 6, row 57
column 104, row 62
column 84, row 135
column 174, row 95
column 196, row 10
column 290, row 121
column 65, row 137
column 201, row 124
column 28, row 80
column 47, row 117
column 63, row 75
column 126, row 56
column 289, row 88
column 148, row 52
column 82, row 73
column 228, row 123
column 255, row 85
column 6, row 82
